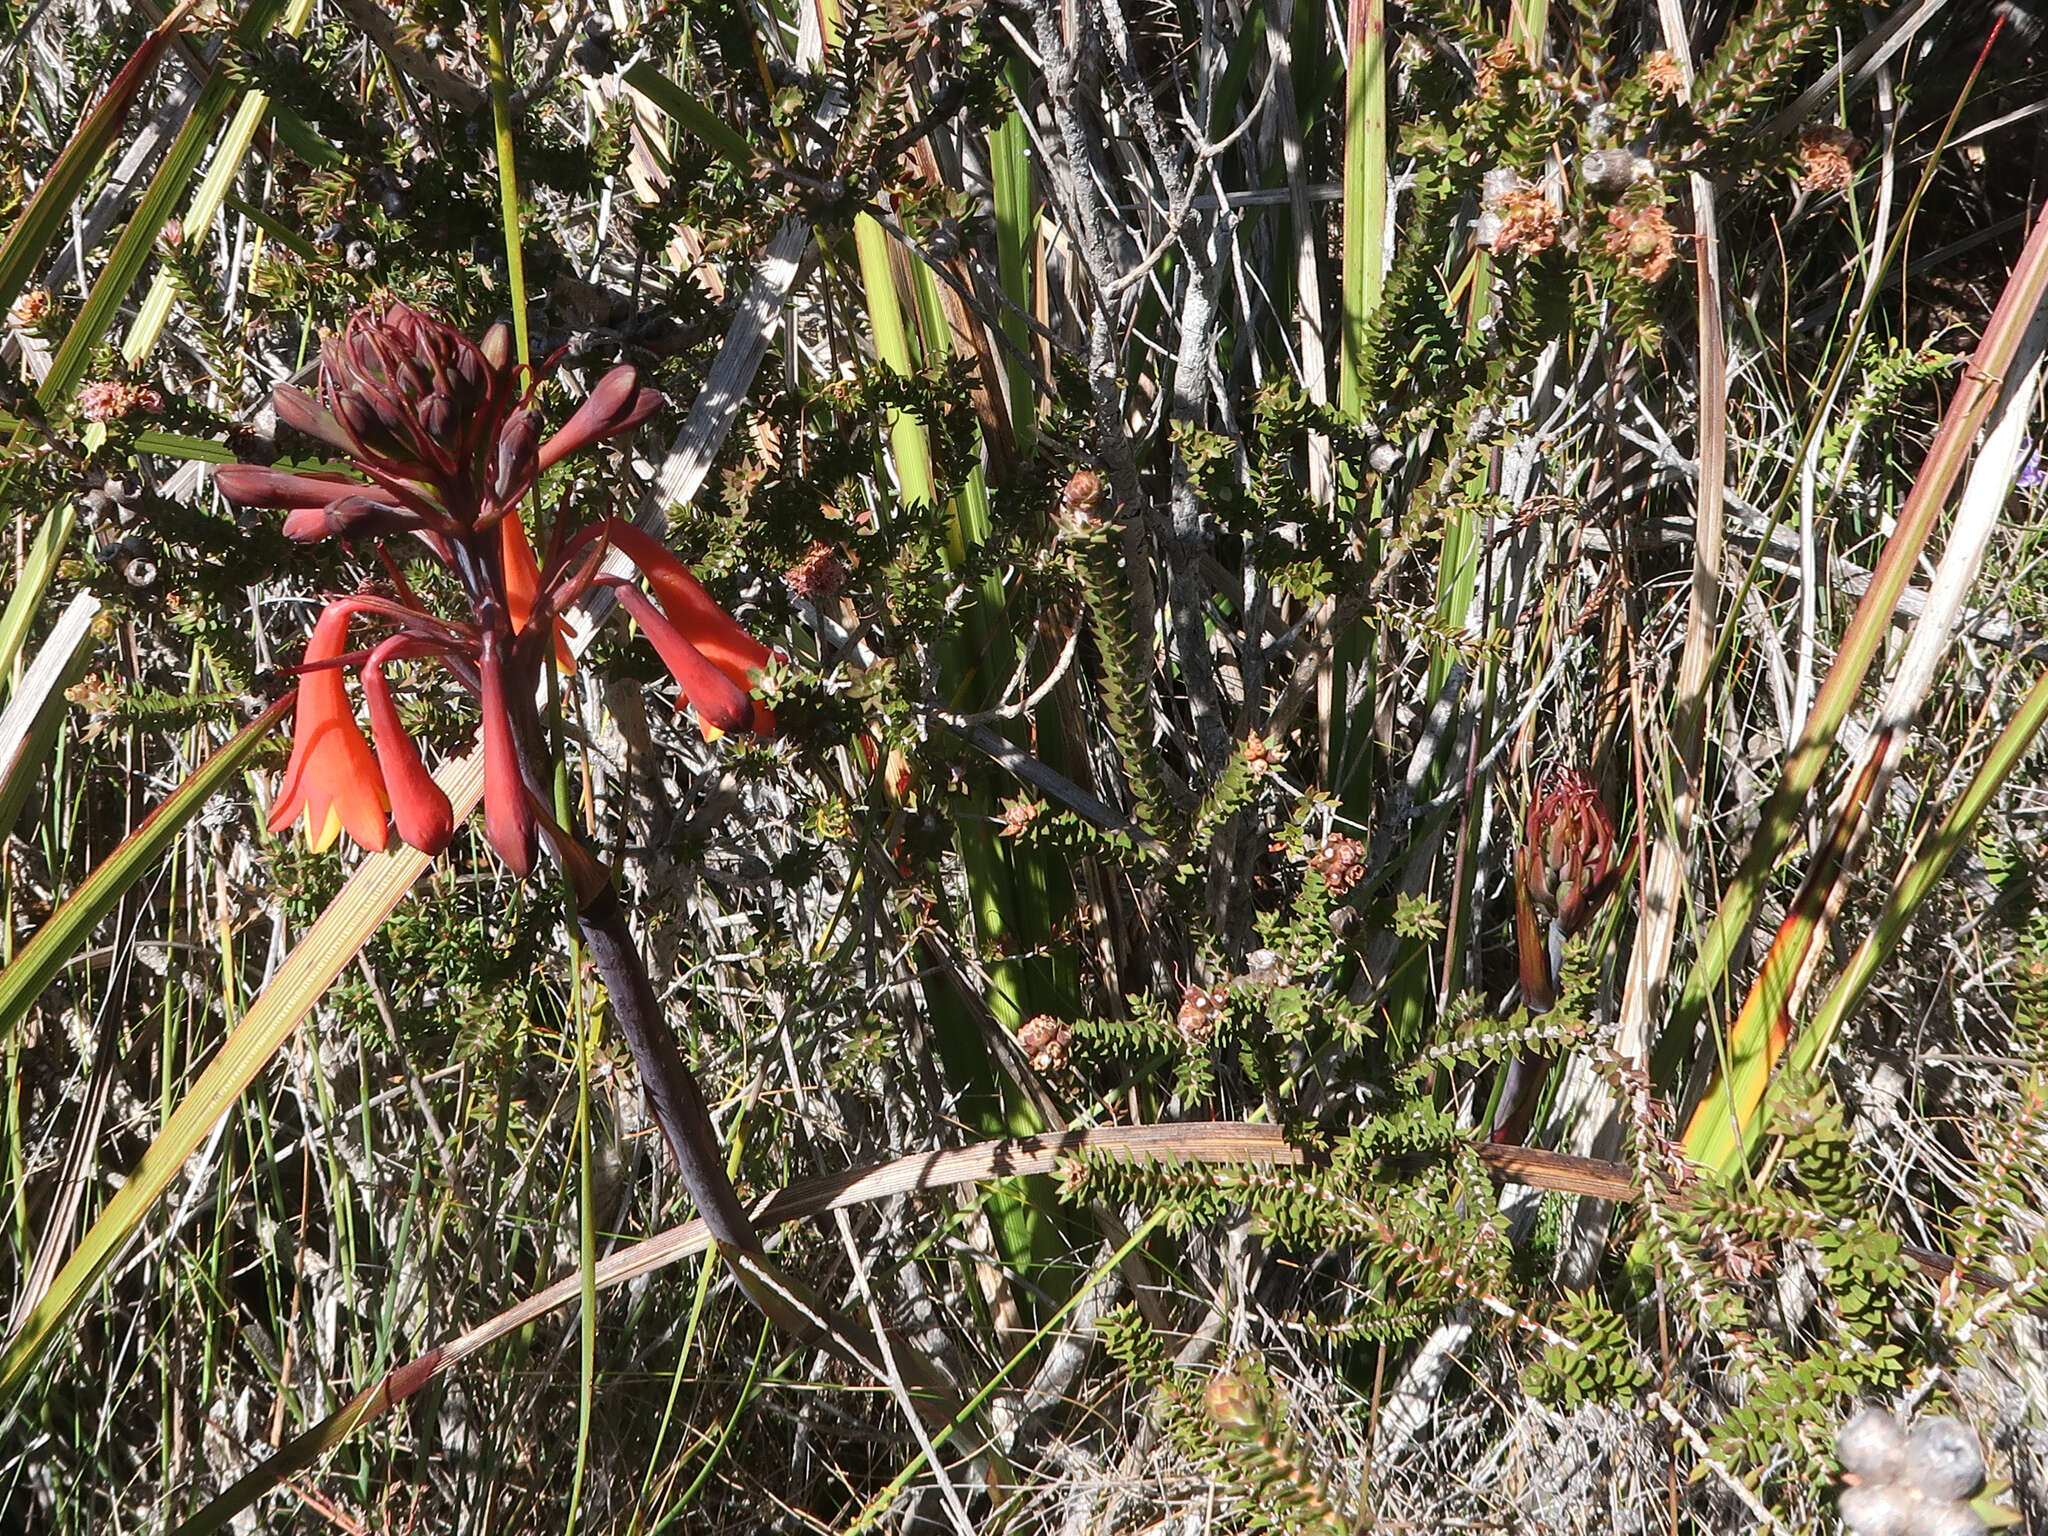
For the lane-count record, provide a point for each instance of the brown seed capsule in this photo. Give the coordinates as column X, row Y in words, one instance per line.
column 1201, row 1010
column 1046, row 1040
column 1607, row 173
column 1341, row 863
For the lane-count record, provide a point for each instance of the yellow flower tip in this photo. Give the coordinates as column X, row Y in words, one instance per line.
column 321, row 838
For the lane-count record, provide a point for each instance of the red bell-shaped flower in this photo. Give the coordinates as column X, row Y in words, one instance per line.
column 332, row 780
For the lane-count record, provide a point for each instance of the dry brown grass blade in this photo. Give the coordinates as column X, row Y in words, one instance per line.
column 1214, row 1143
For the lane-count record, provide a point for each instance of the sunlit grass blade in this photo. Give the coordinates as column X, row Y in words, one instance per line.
column 377, row 886
column 29, row 241
column 38, row 961
column 1920, row 877
column 206, row 202
column 711, row 130
column 1967, row 410
column 1721, row 1123
column 138, row 238
column 26, row 600
column 1365, row 190
column 35, row 709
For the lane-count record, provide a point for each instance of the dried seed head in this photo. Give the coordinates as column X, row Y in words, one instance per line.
column 1046, row 1040
column 1664, row 74
column 1827, row 158
column 1261, row 756
column 1943, row 1460
column 1081, row 503
column 1201, row 1010
column 1525, row 222
column 1641, row 239
column 819, row 576
column 1872, row 1446
column 31, row 309
column 113, row 399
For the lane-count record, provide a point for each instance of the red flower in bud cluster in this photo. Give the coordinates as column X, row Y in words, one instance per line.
column 1567, row 861
column 446, row 437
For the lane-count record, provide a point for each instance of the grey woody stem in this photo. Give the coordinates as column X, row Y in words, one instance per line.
column 679, row 1107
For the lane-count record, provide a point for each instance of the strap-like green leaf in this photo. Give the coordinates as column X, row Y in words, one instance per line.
column 715, row 134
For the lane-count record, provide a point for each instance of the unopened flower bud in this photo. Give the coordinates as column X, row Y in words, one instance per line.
column 1876, row 1509
column 1568, row 859
column 1943, row 1460
column 1872, row 1446
column 1232, row 1403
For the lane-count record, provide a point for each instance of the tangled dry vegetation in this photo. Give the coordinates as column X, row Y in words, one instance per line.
column 1395, row 881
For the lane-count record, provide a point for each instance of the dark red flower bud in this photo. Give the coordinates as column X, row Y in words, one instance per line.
column 1568, row 863
column 258, row 485
column 349, row 517
column 497, row 347
column 302, row 413
column 414, row 397
column 518, row 457
column 618, row 404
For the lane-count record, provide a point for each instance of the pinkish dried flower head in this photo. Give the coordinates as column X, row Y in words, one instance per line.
column 114, row 399
column 819, row 576
column 1827, row 158
column 1642, row 240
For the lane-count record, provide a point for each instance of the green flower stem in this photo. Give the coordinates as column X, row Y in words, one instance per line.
column 498, row 50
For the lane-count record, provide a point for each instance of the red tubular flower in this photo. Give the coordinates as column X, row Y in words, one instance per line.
column 715, row 633
column 332, row 778
column 508, row 814
column 721, row 704
column 419, row 807
column 447, row 441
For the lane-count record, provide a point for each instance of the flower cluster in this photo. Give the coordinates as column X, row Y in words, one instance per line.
column 112, row 399
column 1341, row 862
column 443, row 440
column 1827, row 158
